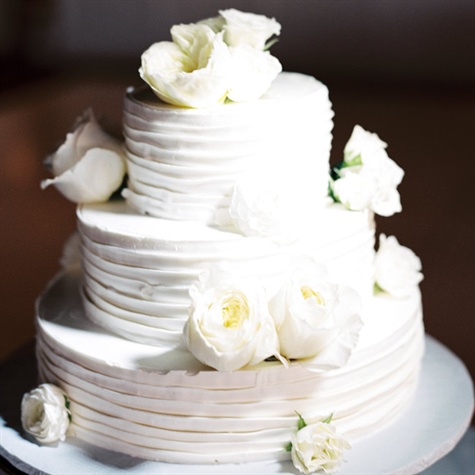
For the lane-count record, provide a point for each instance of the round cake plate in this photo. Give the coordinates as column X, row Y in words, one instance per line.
column 427, row 431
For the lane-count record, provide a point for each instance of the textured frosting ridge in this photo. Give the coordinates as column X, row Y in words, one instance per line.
column 183, row 163
column 138, row 269
column 164, row 405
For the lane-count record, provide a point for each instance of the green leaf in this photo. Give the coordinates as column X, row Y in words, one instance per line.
column 328, row 419
column 270, row 43
column 67, row 404
column 301, row 423
column 331, row 180
column 335, row 171
column 378, row 289
column 288, row 447
column 353, row 162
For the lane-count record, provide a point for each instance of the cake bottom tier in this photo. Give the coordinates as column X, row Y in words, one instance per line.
column 164, row 405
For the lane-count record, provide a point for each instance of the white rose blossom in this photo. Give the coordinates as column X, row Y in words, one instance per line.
column 317, row 447
column 45, row 413
column 262, row 204
column 192, row 71
column 318, row 322
column 242, row 28
column 253, row 72
column 367, row 178
column 247, row 36
column 214, row 59
column 397, row 268
column 229, row 325
column 90, row 165
column 71, row 256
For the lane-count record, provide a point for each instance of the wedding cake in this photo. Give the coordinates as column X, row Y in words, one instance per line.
column 230, row 306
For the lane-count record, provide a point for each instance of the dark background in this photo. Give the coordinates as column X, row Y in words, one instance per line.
column 402, row 69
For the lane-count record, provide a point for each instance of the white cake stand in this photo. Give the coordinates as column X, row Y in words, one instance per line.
column 428, row 430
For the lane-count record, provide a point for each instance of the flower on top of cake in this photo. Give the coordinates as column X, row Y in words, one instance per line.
column 367, row 178
column 397, row 268
column 317, row 446
column 234, row 322
column 45, row 413
column 224, row 57
column 90, row 165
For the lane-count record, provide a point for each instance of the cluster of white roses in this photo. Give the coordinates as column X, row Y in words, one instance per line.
column 233, row 322
column 219, row 58
column 367, row 178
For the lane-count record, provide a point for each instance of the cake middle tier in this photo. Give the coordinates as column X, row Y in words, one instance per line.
column 138, row 269
column 184, row 163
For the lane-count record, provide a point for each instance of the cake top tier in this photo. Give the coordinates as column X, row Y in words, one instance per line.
column 220, row 165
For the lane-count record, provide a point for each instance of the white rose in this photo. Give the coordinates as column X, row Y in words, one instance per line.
column 241, row 28
column 71, row 255
column 385, row 200
column 354, row 190
column 316, row 447
column 216, row 23
column 90, row 165
column 362, row 146
column 267, row 202
column 397, row 268
column 259, row 207
column 363, row 187
column 367, row 178
column 192, row 71
column 317, row 321
column 44, row 413
column 253, row 73
column 229, row 325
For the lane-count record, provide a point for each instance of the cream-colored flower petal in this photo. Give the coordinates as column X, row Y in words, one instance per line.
column 317, row 321
column 229, row 326
column 99, row 173
column 161, row 63
column 196, row 43
column 242, row 28
column 44, row 413
column 253, row 73
column 354, row 190
column 397, row 268
column 216, row 23
column 338, row 352
column 318, row 447
column 197, row 78
column 364, row 143
column 208, row 354
column 87, row 133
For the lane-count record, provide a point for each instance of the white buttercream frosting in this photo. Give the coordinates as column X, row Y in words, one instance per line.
column 183, row 163
column 162, row 404
column 138, row 269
